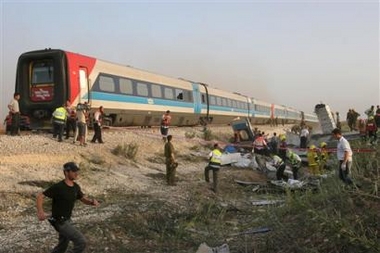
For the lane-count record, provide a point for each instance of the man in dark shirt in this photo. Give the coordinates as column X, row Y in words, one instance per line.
column 64, row 194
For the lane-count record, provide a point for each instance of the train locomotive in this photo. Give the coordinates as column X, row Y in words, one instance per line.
column 46, row 79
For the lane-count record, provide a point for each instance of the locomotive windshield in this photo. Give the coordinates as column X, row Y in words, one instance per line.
column 42, row 72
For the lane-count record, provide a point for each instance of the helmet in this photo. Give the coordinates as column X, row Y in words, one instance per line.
column 323, row 144
column 282, row 137
column 312, row 147
column 371, row 117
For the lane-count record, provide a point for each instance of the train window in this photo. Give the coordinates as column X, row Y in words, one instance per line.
column 156, row 91
column 224, row 102
column 126, row 86
column 188, row 96
column 229, row 103
column 168, row 93
column 179, row 94
column 212, row 100
column 42, row 72
column 218, row 100
column 234, row 104
column 142, row 89
column 106, row 83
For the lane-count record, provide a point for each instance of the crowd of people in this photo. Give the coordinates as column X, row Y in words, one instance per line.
column 75, row 120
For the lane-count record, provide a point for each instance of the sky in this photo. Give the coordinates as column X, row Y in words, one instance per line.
column 294, row 53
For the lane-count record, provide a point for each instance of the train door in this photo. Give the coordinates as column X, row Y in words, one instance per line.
column 84, row 94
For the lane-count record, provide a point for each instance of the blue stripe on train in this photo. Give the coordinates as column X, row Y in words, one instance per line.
column 139, row 100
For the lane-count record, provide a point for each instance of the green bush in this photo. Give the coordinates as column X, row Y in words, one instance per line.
column 128, row 150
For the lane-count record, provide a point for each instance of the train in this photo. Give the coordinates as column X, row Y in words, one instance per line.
column 47, row 78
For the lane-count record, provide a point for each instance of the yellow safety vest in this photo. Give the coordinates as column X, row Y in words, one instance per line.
column 60, row 113
column 216, row 155
column 312, row 158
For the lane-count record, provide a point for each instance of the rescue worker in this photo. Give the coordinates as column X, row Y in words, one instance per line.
column 280, row 166
column 313, row 160
column 323, row 156
column 59, row 120
column 260, row 145
column 295, row 162
column 214, row 165
column 170, row 162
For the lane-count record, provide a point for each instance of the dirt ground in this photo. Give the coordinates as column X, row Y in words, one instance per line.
column 31, row 162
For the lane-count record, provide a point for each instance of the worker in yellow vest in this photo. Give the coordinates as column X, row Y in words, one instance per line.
column 59, row 121
column 214, row 165
column 313, row 160
column 323, row 157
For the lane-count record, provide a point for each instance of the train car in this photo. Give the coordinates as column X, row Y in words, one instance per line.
column 46, row 79
column 279, row 114
column 262, row 111
column 293, row 116
column 219, row 107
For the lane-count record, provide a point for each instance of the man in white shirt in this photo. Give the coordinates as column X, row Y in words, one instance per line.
column 98, row 126
column 344, row 155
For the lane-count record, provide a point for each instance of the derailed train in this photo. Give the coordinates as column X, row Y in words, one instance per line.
column 48, row 78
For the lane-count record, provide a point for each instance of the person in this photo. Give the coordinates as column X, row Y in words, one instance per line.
column 97, row 125
column 165, row 122
column 280, row 165
column 64, row 194
column 303, row 137
column 274, row 143
column 344, row 155
column 59, row 121
column 171, row 164
column 371, row 130
column 370, row 112
column 282, row 147
column 338, row 123
column 377, row 116
column 71, row 119
column 81, row 129
column 313, row 160
column 214, row 164
column 295, row 162
column 323, row 157
column 260, row 145
column 14, row 110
